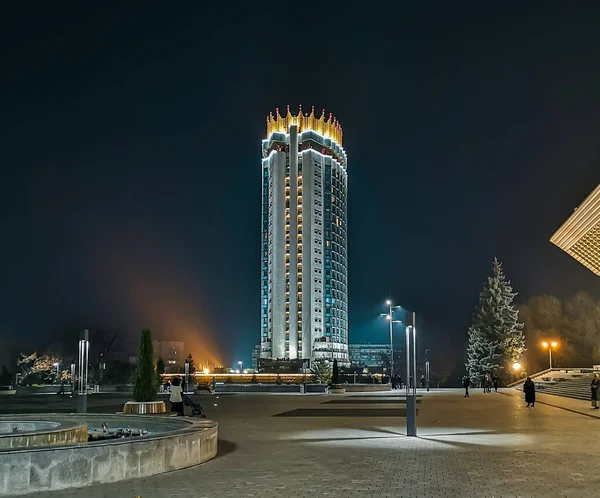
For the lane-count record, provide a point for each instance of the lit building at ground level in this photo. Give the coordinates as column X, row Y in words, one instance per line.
column 171, row 352
column 304, row 276
column 369, row 355
column 255, row 356
column 579, row 236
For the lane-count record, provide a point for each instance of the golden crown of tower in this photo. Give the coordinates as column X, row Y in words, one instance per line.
column 329, row 128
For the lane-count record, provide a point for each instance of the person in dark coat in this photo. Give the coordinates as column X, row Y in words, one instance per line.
column 594, row 386
column 529, row 390
column 496, row 383
column 466, row 385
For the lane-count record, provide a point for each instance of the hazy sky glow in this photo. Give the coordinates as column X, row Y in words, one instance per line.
column 130, row 147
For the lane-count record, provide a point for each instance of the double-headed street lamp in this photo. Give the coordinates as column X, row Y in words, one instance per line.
column 550, row 345
column 390, row 317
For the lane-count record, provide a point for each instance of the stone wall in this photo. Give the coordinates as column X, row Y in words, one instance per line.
column 61, row 467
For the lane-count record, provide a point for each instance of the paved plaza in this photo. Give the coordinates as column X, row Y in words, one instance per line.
column 489, row 445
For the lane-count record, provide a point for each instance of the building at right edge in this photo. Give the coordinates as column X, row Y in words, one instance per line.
column 304, row 279
column 579, row 236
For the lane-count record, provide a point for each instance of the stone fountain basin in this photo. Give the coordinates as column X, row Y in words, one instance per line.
column 8, row 426
column 30, row 431
column 172, row 444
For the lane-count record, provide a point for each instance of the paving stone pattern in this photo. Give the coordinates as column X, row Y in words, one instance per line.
column 489, row 445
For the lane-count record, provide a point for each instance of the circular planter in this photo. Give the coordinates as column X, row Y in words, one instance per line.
column 144, row 408
column 337, row 389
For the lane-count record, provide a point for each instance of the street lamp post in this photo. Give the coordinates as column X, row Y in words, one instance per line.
column 84, row 349
column 73, row 378
column 241, row 364
column 390, row 317
column 550, row 345
column 427, row 369
column 411, row 390
column 57, row 364
column 101, row 366
column 186, row 371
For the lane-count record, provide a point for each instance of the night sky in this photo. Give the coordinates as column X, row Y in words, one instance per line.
column 130, row 152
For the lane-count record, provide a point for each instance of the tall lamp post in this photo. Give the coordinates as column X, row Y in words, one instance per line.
column 241, row 364
column 427, row 369
column 550, row 346
column 84, row 350
column 57, row 364
column 411, row 391
column 390, row 317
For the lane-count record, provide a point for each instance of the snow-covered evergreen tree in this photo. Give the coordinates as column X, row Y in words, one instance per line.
column 495, row 336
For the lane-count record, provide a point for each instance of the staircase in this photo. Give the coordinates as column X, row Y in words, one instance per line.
column 578, row 388
column 570, row 383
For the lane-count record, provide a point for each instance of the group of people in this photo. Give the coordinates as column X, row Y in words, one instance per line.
column 396, row 382
column 487, row 382
column 490, row 380
column 529, row 388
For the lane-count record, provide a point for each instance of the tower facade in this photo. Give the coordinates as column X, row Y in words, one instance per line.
column 304, row 268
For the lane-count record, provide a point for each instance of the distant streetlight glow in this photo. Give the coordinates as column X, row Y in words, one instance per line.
column 550, row 346
column 516, row 366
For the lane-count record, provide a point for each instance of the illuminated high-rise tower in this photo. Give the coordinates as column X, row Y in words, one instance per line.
column 304, row 282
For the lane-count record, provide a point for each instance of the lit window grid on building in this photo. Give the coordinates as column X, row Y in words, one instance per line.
column 579, row 236
column 368, row 355
column 304, row 308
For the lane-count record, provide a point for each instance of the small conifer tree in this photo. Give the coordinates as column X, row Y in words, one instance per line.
column 144, row 387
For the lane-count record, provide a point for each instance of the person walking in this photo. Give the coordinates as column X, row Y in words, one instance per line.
column 466, row 385
column 529, row 390
column 594, row 388
column 496, row 383
column 176, row 397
